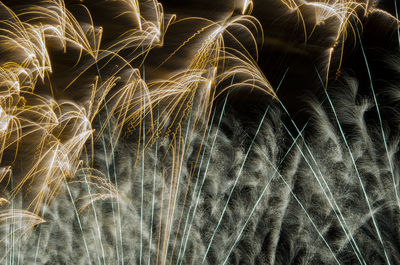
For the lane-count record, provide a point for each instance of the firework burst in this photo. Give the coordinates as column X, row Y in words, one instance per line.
column 123, row 142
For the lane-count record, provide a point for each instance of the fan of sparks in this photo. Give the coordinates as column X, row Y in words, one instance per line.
column 51, row 117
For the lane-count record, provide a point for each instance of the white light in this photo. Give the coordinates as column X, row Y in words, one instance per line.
column 4, row 120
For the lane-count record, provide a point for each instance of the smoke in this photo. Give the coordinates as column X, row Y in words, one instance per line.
column 262, row 193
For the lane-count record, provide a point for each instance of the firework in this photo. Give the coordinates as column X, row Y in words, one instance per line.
column 124, row 137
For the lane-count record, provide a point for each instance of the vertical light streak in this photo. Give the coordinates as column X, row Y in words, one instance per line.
column 154, row 186
column 234, row 184
column 359, row 178
column 96, row 220
column 204, row 174
column 78, row 219
column 178, row 177
column 193, row 197
column 276, row 171
column 142, row 179
column 380, row 118
column 336, row 209
column 397, row 22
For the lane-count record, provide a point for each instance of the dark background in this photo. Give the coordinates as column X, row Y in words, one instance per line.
column 284, row 48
